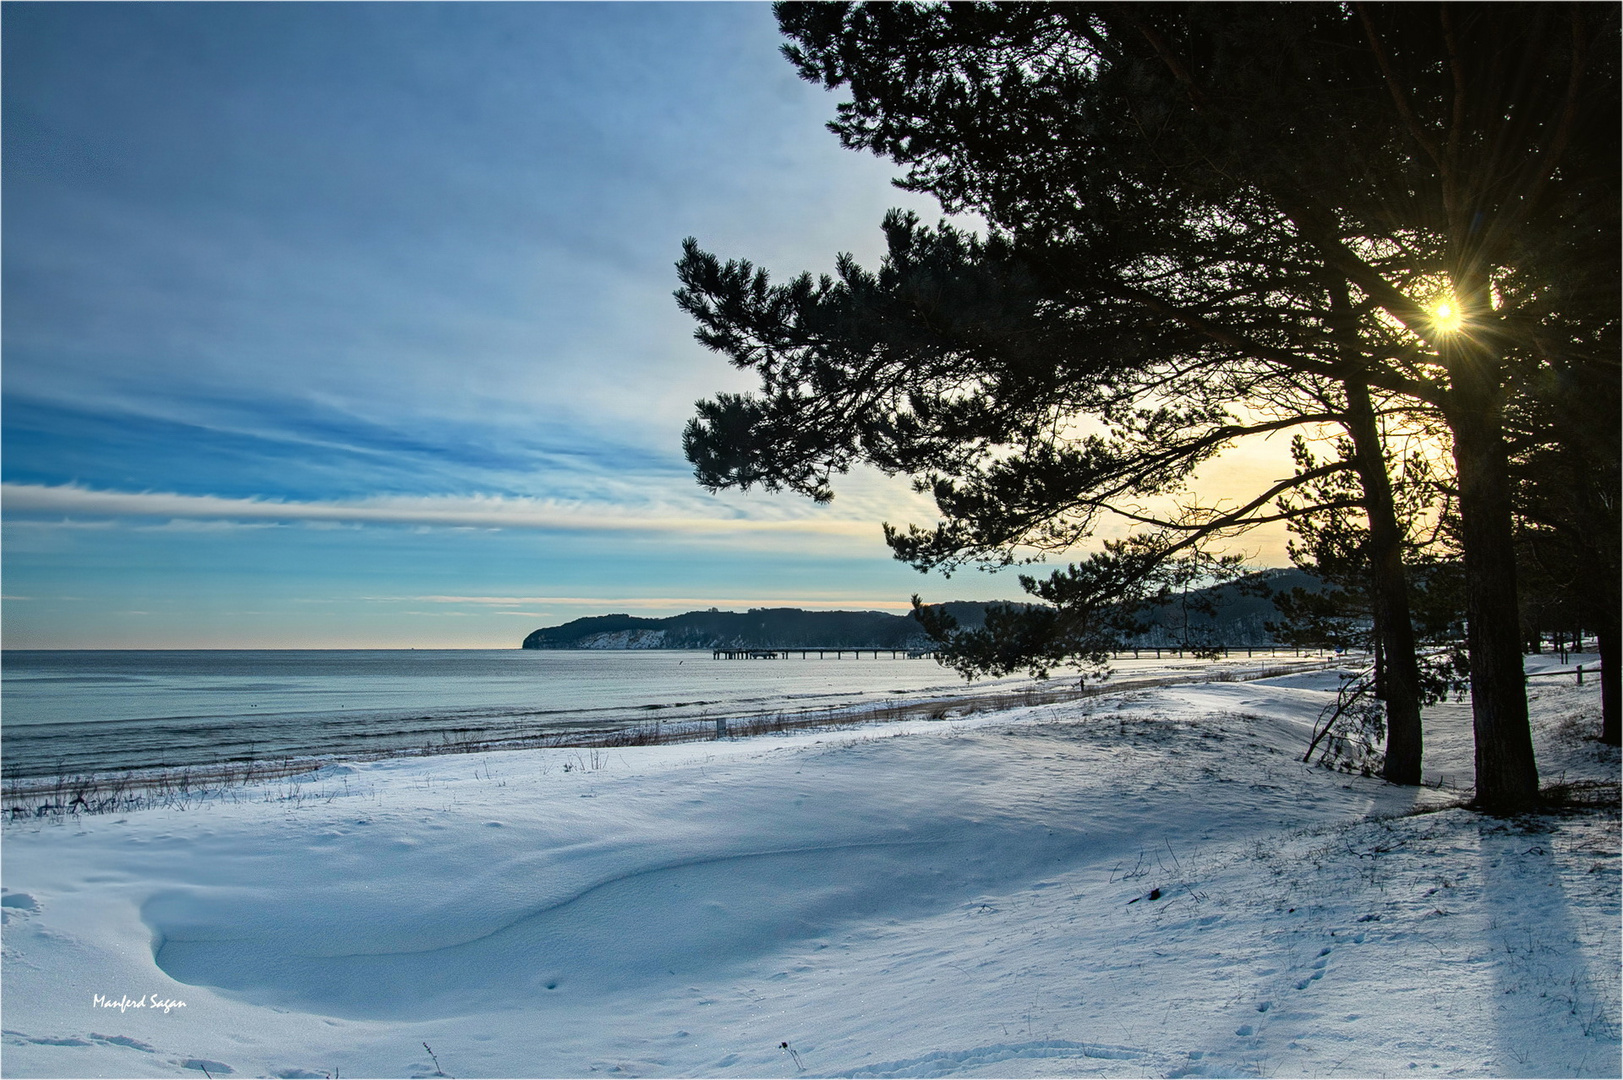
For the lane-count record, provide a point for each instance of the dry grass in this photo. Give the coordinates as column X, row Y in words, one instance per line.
column 1581, row 795
column 122, row 791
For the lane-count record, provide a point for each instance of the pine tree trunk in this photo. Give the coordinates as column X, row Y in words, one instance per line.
column 1600, row 575
column 1389, row 594
column 1506, row 773
column 1606, row 633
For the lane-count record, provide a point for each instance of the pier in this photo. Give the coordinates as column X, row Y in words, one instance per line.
column 784, row 654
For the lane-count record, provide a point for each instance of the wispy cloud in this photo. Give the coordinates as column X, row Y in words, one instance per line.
column 487, row 512
column 268, row 303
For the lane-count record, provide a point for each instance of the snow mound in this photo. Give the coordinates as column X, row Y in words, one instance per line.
column 646, row 928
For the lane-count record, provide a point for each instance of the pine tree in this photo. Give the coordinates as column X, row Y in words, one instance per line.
column 1194, row 201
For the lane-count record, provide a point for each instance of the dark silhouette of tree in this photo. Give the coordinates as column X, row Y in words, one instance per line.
column 1207, row 198
column 963, row 362
column 1568, row 536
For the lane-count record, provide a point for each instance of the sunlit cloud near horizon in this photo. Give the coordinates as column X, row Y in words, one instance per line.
column 351, row 325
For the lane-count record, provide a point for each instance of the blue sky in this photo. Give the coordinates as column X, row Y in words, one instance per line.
column 350, row 325
column 340, row 325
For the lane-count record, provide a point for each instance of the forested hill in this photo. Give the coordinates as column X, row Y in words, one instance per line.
column 762, row 628
column 1238, row 620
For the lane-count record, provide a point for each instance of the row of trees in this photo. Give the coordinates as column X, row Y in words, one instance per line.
column 1388, row 228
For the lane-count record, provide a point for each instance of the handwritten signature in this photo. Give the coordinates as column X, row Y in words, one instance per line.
column 145, row 1001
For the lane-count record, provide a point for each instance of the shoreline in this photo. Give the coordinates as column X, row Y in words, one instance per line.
column 122, row 790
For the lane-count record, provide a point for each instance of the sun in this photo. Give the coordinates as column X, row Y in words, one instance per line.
column 1446, row 315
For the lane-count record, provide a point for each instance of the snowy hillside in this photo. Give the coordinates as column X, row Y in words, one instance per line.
column 1144, row 883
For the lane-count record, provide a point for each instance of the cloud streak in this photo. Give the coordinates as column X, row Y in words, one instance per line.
column 475, row 512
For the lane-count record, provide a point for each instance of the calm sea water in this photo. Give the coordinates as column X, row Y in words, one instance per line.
column 86, row 711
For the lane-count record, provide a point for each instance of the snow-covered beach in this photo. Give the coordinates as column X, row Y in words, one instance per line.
column 1148, row 882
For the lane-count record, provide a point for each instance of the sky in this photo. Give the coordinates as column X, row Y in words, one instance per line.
column 339, row 326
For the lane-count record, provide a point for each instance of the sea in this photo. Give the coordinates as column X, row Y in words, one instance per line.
column 66, row 713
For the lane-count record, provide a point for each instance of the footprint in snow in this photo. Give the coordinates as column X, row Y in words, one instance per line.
column 46, row 1040
column 19, row 1038
column 208, row 1065
column 1318, row 966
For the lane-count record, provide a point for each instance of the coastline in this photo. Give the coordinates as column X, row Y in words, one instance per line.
column 141, row 787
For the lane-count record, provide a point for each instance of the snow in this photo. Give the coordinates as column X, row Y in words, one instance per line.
column 1149, row 882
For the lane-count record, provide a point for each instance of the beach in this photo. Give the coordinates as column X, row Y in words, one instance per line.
column 1145, row 882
